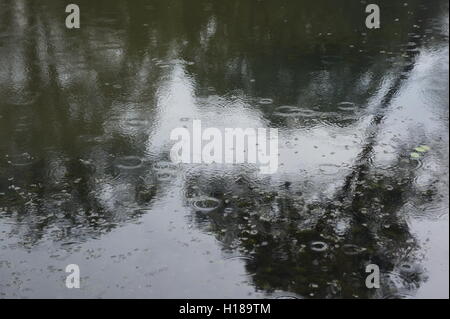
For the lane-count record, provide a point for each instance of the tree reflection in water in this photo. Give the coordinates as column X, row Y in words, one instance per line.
column 85, row 116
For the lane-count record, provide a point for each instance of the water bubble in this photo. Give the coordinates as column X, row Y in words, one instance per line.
column 206, row 204
column 319, row 246
column 351, row 250
column 292, row 111
column 240, row 257
column 347, row 106
column 265, row 101
column 129, row 162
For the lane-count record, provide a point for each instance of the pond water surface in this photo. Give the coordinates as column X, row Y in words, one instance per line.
column 86, row 177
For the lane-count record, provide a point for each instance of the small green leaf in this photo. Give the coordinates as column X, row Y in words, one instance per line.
column 415, row 155
column 422, row 149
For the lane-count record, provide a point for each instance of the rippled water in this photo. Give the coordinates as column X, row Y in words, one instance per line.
column 85, row 174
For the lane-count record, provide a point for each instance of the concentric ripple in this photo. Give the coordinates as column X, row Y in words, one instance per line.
column 347, row 106
column 318, row 246
column 206, row 204
column 128, row 162
column 293, row 111
column 21, row 160
column 265, row 101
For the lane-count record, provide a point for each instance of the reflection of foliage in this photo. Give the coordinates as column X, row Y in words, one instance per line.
column 80, row 205
column 80, row 100
column 302, row 248
column 279, row 231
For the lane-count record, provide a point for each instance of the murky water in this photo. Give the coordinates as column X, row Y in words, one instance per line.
column 86, row 178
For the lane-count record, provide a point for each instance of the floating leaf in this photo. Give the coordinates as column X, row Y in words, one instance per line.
column 419, row 149
column 422, row 149
column 415, row 155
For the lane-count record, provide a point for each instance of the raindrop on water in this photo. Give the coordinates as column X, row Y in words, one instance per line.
column 319, row 246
